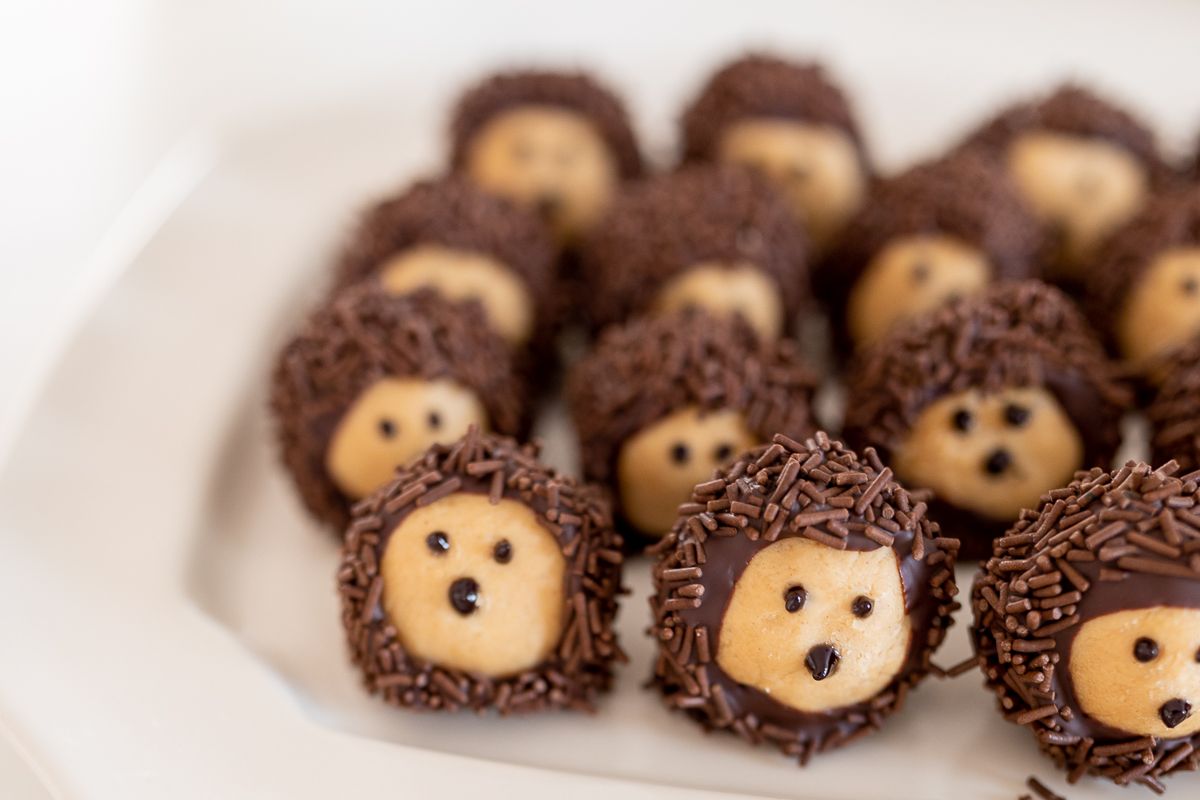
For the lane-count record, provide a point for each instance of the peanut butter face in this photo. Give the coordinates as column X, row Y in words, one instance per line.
column 475, row 586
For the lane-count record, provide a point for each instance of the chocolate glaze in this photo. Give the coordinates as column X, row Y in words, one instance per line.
column 1136, row 591
column 719, row 533
column 1111, row 541
column 727, row 559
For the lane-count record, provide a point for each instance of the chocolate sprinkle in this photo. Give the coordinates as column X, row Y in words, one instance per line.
column 759, row 85
column 579, row 669
column 661, row 227
column 1125, row 509
column 771, row 478
column 641, row 372
column 361, row 335
column 1173, row 414
column 572, row 91
column 1013, row 335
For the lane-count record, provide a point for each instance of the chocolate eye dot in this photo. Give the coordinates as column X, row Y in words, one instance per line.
column 723, row 452
column 793, row 599
column 963, row 420
column 503, row 551
column 862, row 606
column 1190, row 286
column 387, row 428
column 435, row 420
column 920, row 272
column 1145, row 649
column 680, row 453
column 1198, row 655
column 438, row 542
column 1016, row 415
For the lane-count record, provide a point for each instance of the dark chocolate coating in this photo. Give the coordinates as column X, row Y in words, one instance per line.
column 361, row 335
column 1174, row 413
column 760, row 85
column 577, row 671
column 573, row 91
column 641, row 372
column 1111, row 541
column 661, row 227
column 710, row 546
column 1013, row 335
column 967, row 195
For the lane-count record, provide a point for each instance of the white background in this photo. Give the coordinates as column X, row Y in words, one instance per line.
column 93, row 95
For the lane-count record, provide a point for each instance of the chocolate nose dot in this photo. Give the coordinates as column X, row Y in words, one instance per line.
column 997, row 461
column 822, row 661
column 1174, row 712
column 464, row 596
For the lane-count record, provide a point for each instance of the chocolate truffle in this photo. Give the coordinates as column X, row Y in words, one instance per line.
column 715, row 237
column 800, row 596
column 1087, row 623
column 1084, row 165
column 466, row 244
column 990, row 402
column 791, row 122
column 556, row 142
column 941, row 230
column 1174, row 413
column 373, row 379
column 1145, row 290
column 480, row 578
column 663, row 401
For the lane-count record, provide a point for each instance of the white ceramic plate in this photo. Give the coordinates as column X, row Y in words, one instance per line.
column 168, row 620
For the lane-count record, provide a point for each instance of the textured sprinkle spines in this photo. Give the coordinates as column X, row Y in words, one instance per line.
column 361, row 335
column 581, row 666
column 641, row 372
column 1013, row 335
column 1174, row 414
column 659, row 228
column 1105, row 527
column 816, row 489
column 576, row 92
column 759, row 85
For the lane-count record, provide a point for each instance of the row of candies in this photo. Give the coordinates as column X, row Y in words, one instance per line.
column 450, row 294
column 799, row 596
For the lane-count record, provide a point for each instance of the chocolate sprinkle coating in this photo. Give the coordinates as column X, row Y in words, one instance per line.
column 574, row 91
column 967, row 195
column 1169, row 220
column 641, row 372
column 760, row 85
column 1013, row 335
column 661, row 227
column 818, row 490
column 579, row 669
column 364, row 334
column 1174, row 414
column 1076, row 111
column 1110, row 541
column 454, row 213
